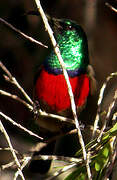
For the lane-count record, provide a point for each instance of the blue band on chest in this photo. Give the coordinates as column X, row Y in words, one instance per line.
column 71, row 73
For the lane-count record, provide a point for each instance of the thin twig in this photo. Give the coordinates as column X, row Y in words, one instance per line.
column 8, row 149
column 64, row 169
column 22, row 34
column 60, row 158
column 111, row 7
column 98, row 109
column 112, row 157
column 54, row 116
column 6, row 166
column 12, row 164
column 114, row 117
column 12, row 150
column 107, row 116
column 19, row 126
column 15, row 97
column 28, row 157
column 12, row 80
column 26, row 161
column 73, row 107
column 5, row 70
column 43, row 144
column 101, row 95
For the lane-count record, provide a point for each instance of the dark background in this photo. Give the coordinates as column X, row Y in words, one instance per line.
column 22, row 57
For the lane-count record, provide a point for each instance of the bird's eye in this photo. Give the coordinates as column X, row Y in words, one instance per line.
column 70, row 27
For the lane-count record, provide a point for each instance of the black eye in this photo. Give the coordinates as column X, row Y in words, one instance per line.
column 69, row 27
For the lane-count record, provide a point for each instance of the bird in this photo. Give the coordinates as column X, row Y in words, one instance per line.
column 51, row 90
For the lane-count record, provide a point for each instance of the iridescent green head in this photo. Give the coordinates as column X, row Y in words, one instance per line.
column 73, row 46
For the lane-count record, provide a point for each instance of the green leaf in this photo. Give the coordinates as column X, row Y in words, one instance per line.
column 97, row 166
column 105, row 152
column 102, row 157
column 81, row 177
column 79, row 174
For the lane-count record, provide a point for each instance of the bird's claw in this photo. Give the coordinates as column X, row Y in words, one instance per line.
column 36, row 107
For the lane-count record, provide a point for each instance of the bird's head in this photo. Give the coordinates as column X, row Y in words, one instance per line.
column 73, row 46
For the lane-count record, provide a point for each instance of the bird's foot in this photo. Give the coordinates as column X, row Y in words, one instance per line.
column 82, row 126
column 36, row 107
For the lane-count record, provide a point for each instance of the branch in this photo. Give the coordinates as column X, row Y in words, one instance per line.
column 61, row 118
column 101, row 95
column 108, row 115
column 114, row 117
column 25, row 162
column 12, row 80
column 60, row 158
column 112, row 158
column 15, row 97
column 22, row 34
column 43, row 144
column 57, row 51
column 64, row 169
column 6, row 166
column 19, row 126
column 12, row 150
column 73, row 162
column 111, row 7
column 12, row 163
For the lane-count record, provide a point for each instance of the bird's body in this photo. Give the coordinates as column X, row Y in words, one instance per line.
column 51, row 87
column 54, row 91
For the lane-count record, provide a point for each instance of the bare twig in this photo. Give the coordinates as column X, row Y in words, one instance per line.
column 107, row 116
column 27, row 157
column 60, row 158
column 15, row 97
column 101, row 95
column 57, row 51
column 73, row 162
column 12, row 150
column 26, row 161
column 19, row 126
column 64, row 169
column 5, row 70
column 114, row 117
column 112, row 157
column 61, row 118
column 111, row 7
column 12, row 80
column 41, row 145
column 6, row 166
column 8, row 149
column 12, row 164
column 22, row 34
